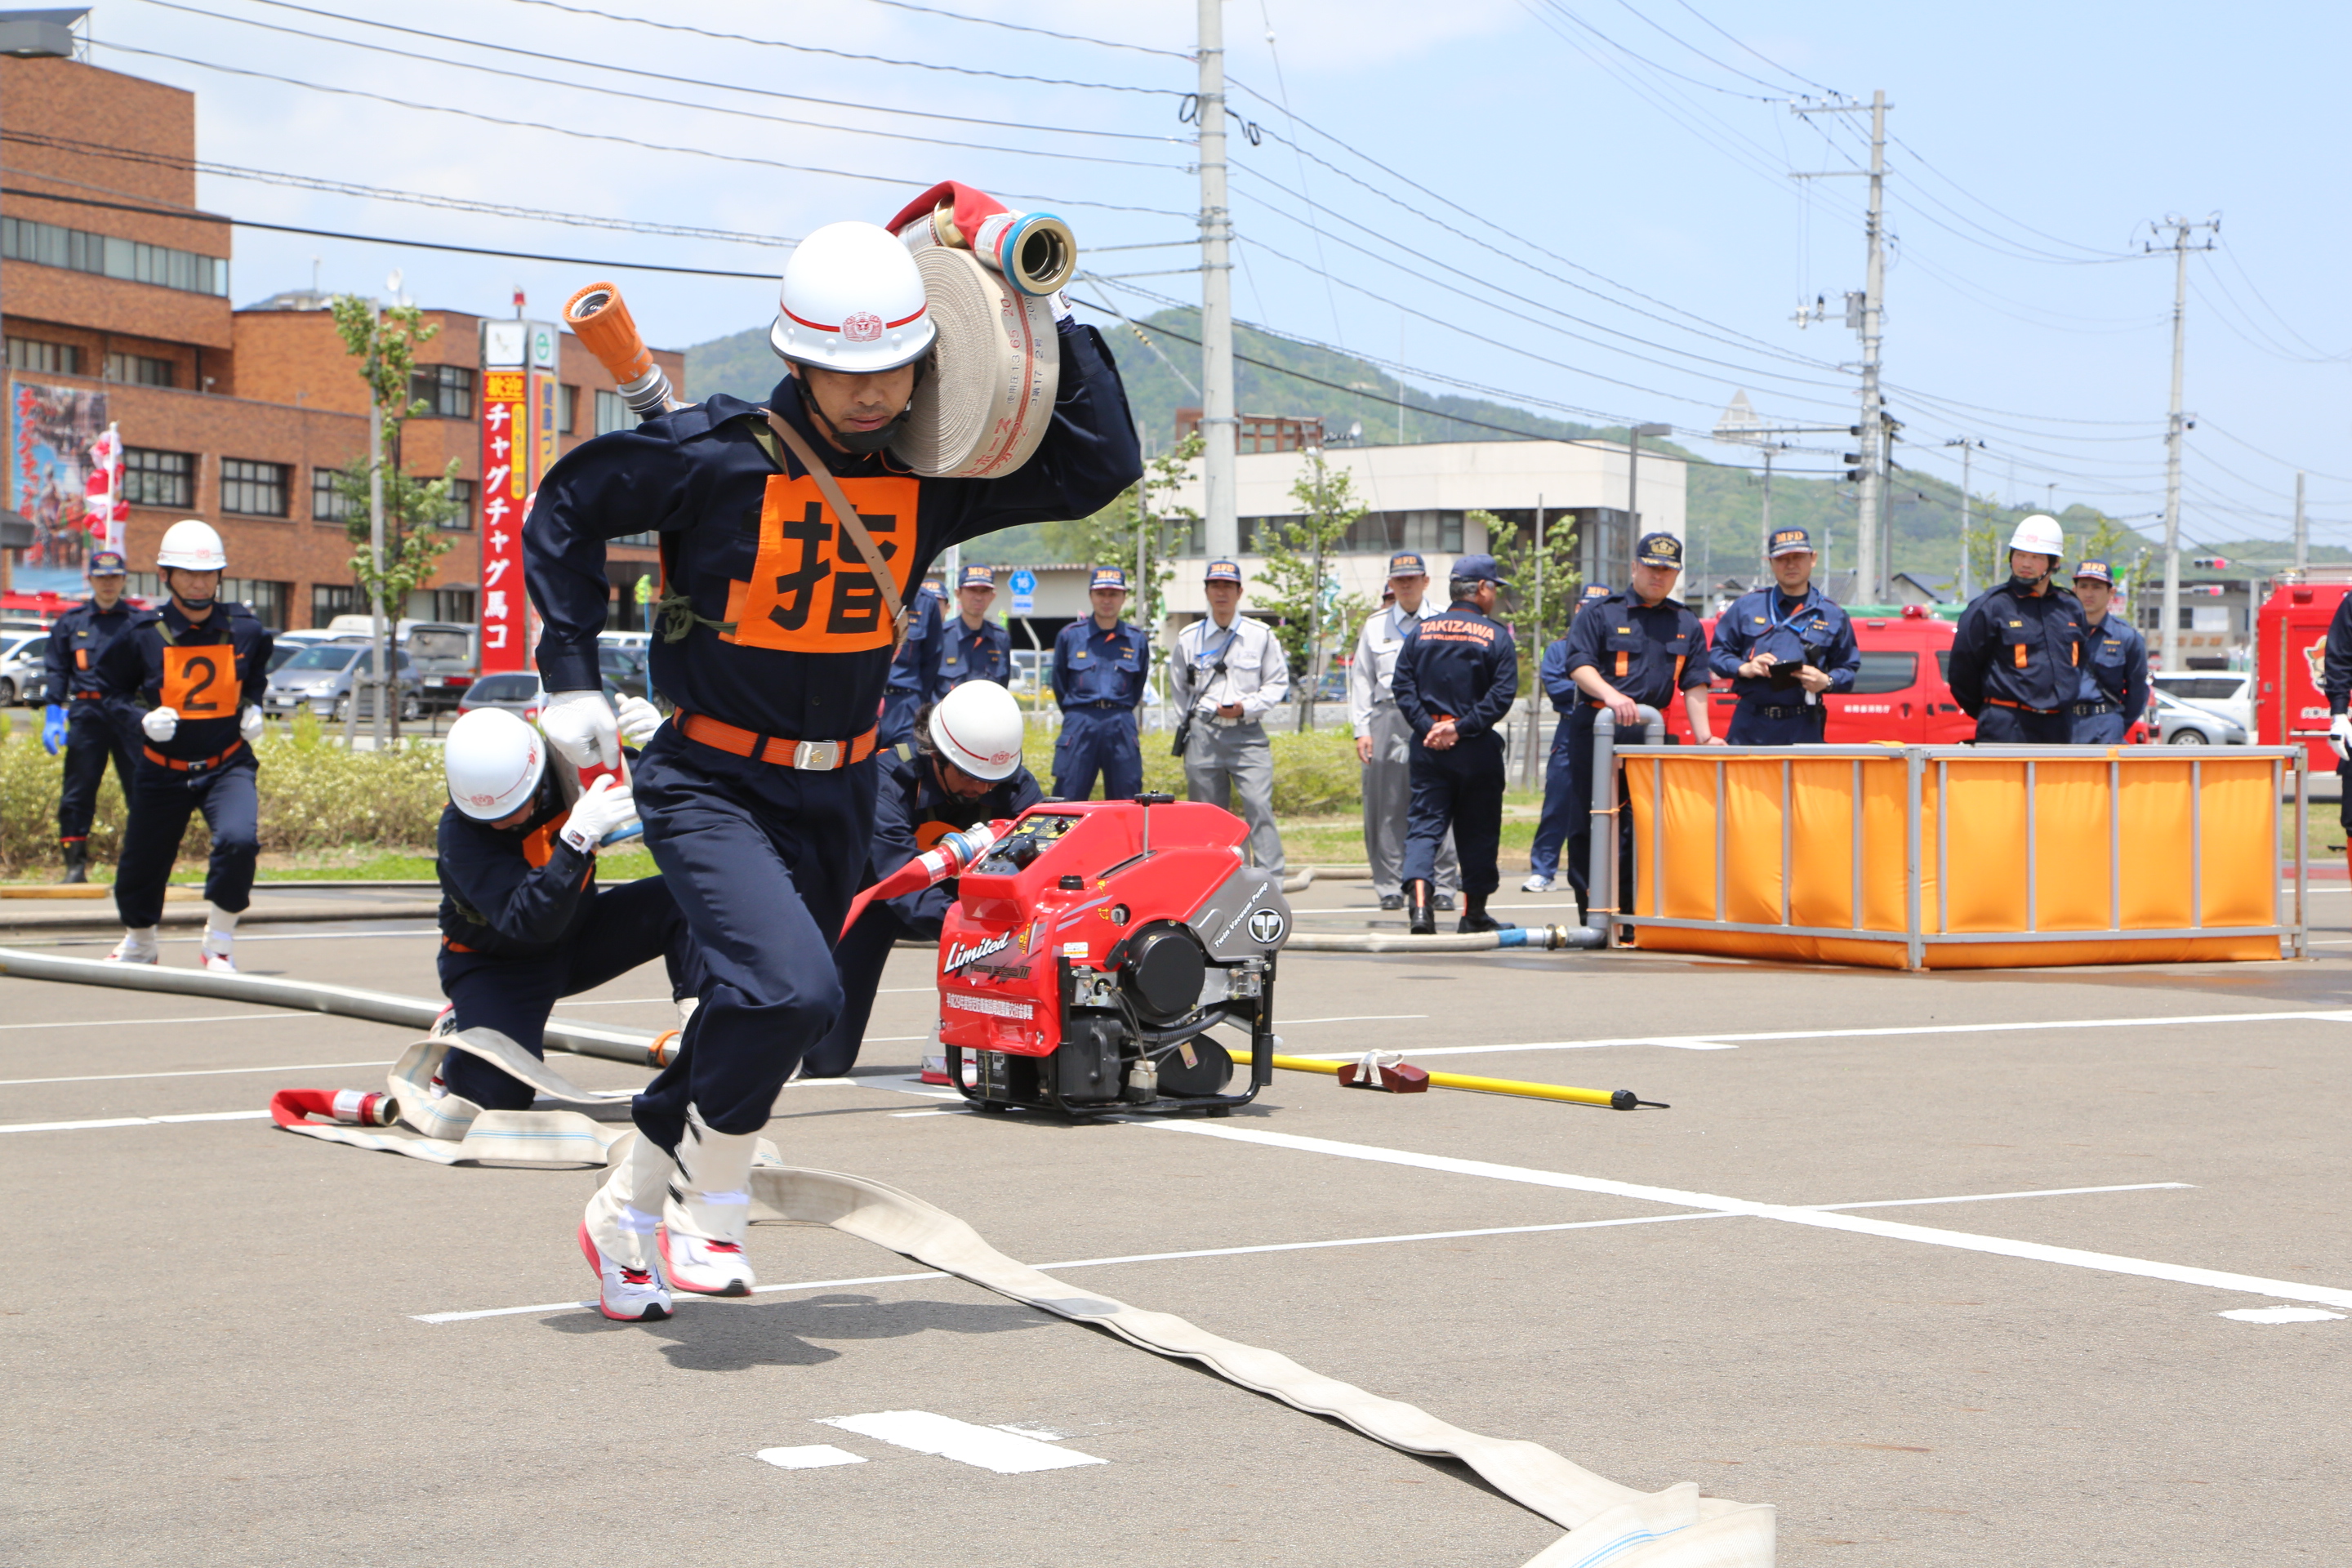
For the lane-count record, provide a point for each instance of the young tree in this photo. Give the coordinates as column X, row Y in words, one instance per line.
column 1544, row 583
column 414, row 509
column 1302, row 588
column 1144, row 529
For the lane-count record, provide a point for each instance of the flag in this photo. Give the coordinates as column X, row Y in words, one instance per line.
column 106, row 511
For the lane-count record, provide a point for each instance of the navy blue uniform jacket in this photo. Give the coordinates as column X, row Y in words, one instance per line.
column 912, row 813
column 77, row 640
column 516, row 892
column 1094, row 668
column 908, row 670
column 962, row 654
column 2336, row 667
column 1817, row 633
column 1458, row 666
column 790, row 637
column 1649, row 652
column 2019, row 647
column 208, row 674
column 2114, row 666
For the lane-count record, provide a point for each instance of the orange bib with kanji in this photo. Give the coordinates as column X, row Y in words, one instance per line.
column 200, row 682
column 810, row 591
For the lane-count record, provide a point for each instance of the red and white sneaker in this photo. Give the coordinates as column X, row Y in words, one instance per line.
column 135, row 948
column 708, row 1212
column 625, row 1295
column 704, row 1265
column 220, row 962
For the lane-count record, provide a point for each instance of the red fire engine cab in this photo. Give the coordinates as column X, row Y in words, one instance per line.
column 2290, row 649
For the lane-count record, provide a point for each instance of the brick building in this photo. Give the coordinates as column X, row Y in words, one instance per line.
column 231, row 416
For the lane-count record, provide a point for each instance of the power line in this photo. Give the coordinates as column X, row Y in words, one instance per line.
column 1776, row 65
column 1040, row 32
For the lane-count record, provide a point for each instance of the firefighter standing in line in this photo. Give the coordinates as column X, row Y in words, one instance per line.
column 966, row 769
column 1639, row 647
column 2017, row 655
column 1100, row 666
column 2114, row 694
column 757, row 796
column 1456, row 679
column 1384, row 741
column 1791, row 626
column 971, row 647
column 1559, row 801
column 197, row 666
column 81, row 720
column 1225, row 672
column 910, row 667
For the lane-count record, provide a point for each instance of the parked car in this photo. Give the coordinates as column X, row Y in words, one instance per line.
column 640, row 641
column 2229, row 693
column 443, row 654
column 320, row 677
column 21, row 676
column 518, row 691
column 624, row 669
column 284, row 646
column 2189, row 724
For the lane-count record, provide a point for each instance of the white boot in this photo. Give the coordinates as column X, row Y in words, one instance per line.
column 616, row 1234
column 708, row 1212
column 219, row 951
column 137, row 946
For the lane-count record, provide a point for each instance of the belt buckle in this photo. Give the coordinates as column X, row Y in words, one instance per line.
column 817, row 756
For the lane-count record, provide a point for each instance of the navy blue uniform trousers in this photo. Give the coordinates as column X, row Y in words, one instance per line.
column 764, row 861
column 1750, row 726
column 95, row 730
column 161, row 801
column 1461, row 788
column 1997, row 726
column 858, row 961
column 2097, row 729
column 1565, row 813
column 634, row 924
column 1097, row 741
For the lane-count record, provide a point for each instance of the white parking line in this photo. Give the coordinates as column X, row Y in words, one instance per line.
column 1304, row 1247
column 129, row 1023
column 986, row 1447
column 132, row 1122
column 1824, row 1219
column 191, row 1072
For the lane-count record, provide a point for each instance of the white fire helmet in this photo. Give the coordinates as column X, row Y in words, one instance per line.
column 852, row 301
column 978, row 728
column 2040, row 535
column 493, row 761
column 192, row 546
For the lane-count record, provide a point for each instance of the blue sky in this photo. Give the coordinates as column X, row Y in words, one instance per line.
column 1606, row 226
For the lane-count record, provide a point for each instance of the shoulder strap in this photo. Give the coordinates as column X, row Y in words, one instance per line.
column 851, row 523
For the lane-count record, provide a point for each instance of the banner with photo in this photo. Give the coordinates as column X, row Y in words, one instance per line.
column 52, row 430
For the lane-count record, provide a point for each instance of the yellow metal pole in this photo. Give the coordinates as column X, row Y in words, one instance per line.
column 1611, row 1100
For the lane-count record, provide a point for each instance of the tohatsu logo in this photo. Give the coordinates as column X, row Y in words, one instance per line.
column 959, row 955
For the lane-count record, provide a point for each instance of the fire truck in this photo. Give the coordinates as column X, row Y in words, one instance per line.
column 2290, row 650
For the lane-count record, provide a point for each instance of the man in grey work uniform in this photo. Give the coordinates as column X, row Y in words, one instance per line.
column 1225, row 672
column 1384, row 741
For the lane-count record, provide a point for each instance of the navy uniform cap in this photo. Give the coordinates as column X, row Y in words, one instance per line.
column 1659, row 550
column 978, row 577
column 1478, row 568
column 1223, row 572
column 1788, row 541
column 2096, row 571
column 1408, row 564
column 1594, row 591
column 107, row 563
column 1108, row 577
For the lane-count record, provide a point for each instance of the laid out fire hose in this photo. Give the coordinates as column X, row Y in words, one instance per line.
column 1608, row 1523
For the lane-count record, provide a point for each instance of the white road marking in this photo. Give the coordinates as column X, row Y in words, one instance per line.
column 1820, row 1218
column 815, row 1457
column 631, row 1001
column 1357, row 1018
column 132, row 1121
column 131, row 1023
column 2281, row 1315
column 194, row 1073
column 1299, row 1247
column 1042, row 1434
column 987, row 1447
column 902, row 1115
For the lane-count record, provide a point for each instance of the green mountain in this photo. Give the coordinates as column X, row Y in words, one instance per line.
column 1160, row 359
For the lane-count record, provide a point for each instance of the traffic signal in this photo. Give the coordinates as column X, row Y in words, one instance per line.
column 2209, row 563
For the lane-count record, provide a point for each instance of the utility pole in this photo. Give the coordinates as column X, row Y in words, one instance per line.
column 1634, row 433
column 1218, row 428
column 2302, row 530
column 1967, row 451
column 2168, row 648
column 1871, row 491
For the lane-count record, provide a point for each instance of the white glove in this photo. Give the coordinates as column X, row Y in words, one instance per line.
column 607, row 805
column 578, row 726
column 249, row 727
column 2339, row 735
column 160, row 723
column 638, row 720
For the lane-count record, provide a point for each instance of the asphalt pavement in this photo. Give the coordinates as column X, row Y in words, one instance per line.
column 2003, row 1338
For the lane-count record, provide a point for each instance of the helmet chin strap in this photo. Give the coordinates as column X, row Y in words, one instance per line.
column 858, row 441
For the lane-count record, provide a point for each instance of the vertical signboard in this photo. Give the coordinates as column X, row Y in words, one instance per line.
column 54, row 429
column 505, row 489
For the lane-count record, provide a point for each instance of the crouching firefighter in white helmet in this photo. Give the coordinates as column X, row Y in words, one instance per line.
column 196, row 668
column 757, row 796
column 965, row 769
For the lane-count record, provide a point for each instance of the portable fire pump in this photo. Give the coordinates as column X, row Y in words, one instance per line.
column 1092, row 947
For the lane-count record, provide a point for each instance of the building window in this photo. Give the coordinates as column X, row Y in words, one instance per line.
column 612, row 413
column 454, row 606
column 256, row 490
column 266, row 600
column 139, row 370
column 567, row 409
column 47, row 244
column 48, row 359
column 159, row 478
column 146, row 586
column 446, row 390
column 328, row 501
column 329, row 600
column 462, row 492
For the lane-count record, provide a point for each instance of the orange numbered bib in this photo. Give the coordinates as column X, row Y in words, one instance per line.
column 810, row 591
column 201, row 682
